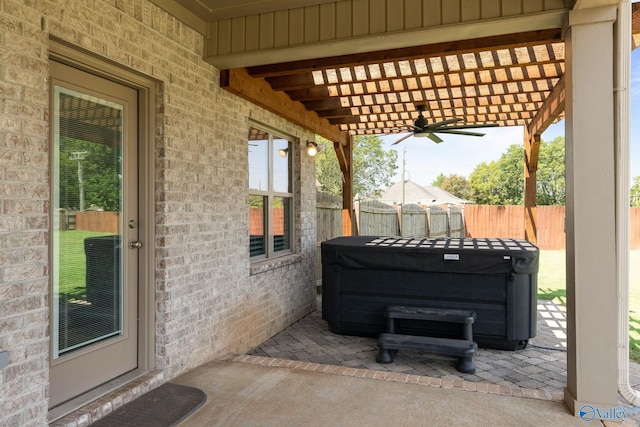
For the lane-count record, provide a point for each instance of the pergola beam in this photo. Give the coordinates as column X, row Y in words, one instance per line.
column 415, row 52
column 551, row 109
column 258, row 91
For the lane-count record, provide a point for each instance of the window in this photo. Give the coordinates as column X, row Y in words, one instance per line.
column 270, row 194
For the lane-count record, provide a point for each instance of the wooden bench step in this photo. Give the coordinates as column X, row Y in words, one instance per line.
column 462, row 349
column 428, row 313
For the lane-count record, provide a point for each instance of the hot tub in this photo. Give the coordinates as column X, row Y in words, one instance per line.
column 496, row 278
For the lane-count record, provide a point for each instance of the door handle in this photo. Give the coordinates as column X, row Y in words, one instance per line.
column 134, row 244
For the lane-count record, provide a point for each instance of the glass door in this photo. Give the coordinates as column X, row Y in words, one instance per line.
column 94, row 217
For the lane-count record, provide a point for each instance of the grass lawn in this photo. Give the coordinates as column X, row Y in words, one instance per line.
column 551, row 285
column 72, row 262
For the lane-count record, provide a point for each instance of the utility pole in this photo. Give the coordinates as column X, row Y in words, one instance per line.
column 79, row 156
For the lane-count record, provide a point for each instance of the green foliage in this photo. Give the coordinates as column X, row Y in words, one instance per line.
column 500, row 182
column 439, row 180
column 373, row 167
column 551, row 173
column 100, row 170
column 635, row 192
column 456, row 185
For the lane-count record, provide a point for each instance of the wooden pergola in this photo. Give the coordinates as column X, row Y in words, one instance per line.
column 513, row 80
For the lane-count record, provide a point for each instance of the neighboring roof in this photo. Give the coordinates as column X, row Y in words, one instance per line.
column 422, row 195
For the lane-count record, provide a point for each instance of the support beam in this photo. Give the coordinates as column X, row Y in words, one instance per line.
column 505, row 41
column 345, row 159
column 548, row 113
column 258, row 91
column 531, row 153
column 551, row 109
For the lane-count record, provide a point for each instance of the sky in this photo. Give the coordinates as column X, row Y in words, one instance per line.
column 424, row 160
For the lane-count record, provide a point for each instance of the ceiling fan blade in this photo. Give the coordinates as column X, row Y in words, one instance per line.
column 460, row 132
column 434, row 126
column 402, row 139
column 435, row 138
column 479, row 125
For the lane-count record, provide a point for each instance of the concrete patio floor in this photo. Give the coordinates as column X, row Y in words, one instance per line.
column 308, row 376
column 283, row 394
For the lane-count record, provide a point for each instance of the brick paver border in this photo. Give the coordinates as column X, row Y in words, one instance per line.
column 457, row 384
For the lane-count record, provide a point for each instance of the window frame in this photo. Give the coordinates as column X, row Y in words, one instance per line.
column 270, row 194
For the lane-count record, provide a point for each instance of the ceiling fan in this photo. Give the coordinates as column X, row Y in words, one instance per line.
column 421, row 128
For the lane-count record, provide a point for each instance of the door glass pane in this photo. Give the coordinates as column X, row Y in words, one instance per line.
column 87, row 202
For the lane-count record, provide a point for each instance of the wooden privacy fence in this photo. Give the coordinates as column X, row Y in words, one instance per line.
column 508, row 222
column 379, row 219
column 374, row 218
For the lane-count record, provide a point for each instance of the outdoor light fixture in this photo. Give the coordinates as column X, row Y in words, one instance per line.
column 312, row 148
column 283, row 152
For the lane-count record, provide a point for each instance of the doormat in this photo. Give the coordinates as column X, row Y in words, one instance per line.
column 166, row 405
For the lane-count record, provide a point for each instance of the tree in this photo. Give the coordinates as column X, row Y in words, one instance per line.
column 101, row 174
column 485, row 184
column 373, row 167
column 635, row 192
column 454, row 184
column 550, row 177
column 439, row 180
column 499, row 182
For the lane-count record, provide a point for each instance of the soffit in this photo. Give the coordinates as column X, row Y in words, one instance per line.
column 213, row 10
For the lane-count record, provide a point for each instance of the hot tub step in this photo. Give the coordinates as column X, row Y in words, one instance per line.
column 465, row 317
column 462, row 349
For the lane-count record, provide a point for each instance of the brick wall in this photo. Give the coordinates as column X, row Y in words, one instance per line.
column 24, row 195
column 210, row 299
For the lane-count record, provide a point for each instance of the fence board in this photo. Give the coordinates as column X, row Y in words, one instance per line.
column 414, row 221
column 377, row 219
column 550, row 227
column 328, row 224
column 438, row 222
column 456, row 222
column 634, row 232
column 494, row 221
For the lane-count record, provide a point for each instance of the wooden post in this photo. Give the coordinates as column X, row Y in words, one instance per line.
column 344, row 153
column 531, row 153
column 552, row 107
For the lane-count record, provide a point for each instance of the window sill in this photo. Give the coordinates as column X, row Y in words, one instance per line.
column 273, row 263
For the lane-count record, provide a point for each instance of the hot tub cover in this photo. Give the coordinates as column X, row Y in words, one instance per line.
column 458, row 255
